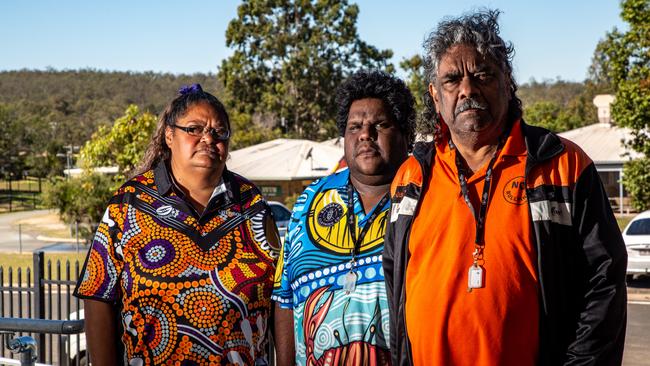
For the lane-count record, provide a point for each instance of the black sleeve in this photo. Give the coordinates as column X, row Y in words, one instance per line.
column 600, row 331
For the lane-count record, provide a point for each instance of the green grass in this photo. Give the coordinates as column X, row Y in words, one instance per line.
column 623, row 221
column 25, row 261
column 30, row 184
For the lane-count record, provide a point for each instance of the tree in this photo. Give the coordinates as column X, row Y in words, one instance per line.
column 289, row 58
column 83, row 199
column 123, row 145
column 623, row 59
column 419, row 86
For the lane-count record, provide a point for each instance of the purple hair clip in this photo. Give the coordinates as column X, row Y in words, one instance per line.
column 189, row 89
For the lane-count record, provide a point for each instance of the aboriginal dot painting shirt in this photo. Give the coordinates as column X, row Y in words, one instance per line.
column 193, row 289
column 333, row 327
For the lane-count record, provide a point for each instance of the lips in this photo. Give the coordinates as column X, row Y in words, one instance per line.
column 207, row 152
column 367, row 151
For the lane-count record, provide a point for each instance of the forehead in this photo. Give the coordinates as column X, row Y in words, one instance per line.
column 201, row 112
column 464, row 56
column 367, row 107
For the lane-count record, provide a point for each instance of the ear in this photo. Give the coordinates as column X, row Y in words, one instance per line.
column 168, row 135
column 434, row 95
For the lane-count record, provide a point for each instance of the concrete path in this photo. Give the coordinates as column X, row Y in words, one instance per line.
column 13, row 241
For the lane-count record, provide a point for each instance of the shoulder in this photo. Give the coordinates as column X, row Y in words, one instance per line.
column 134, row 185
column 242, row 184
column 410, row 172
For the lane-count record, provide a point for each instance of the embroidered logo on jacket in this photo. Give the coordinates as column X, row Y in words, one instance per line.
column 515, row 191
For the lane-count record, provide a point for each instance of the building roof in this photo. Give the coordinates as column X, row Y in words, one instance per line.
column 603, row 142
column 285, row 159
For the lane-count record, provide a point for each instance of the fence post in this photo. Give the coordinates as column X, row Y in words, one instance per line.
column 20, row 238
column 39, row 298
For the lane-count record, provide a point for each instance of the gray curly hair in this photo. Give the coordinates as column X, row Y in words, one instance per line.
column 481, row 30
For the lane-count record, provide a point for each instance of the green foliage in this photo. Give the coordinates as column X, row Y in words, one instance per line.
column 419, row 86
column 559, row 105
column 552, row 116
column 636, row 180
column 81, row 199
column 53, row 109
column 289, row 57
column 123, row 145
column 623, row 60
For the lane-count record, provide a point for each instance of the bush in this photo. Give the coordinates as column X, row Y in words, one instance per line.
column 636, row 180
column 81, row 199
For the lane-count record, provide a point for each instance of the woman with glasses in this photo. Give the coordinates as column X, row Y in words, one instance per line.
column 183, row 261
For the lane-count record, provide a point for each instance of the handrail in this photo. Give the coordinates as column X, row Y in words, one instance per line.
column 42, row 326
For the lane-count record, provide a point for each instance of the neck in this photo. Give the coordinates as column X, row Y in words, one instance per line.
column 197, row 184
column 475, row 157
column 370, row 195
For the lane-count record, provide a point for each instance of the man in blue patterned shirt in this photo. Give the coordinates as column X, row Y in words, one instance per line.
column 331, row 306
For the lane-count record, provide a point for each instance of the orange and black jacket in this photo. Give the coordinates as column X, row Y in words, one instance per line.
column 581, row 257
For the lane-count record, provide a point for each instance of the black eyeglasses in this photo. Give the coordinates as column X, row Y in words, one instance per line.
column 198, row 131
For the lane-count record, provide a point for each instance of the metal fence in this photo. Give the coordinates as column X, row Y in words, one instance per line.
column 45, row 292
column 19, row 195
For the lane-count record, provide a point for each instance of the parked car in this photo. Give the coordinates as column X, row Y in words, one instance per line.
column 637, row 242
column 281, row 214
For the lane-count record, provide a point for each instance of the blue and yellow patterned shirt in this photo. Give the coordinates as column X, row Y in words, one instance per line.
column 332, row 326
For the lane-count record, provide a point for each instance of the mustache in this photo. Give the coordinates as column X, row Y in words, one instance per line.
column 469, row 103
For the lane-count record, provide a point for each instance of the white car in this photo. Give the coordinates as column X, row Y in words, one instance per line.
column 636, row 236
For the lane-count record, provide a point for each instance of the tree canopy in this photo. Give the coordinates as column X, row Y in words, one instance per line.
column 289, row 58
column 622, row 60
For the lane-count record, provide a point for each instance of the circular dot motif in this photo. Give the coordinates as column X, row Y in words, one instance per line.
column 157, row 253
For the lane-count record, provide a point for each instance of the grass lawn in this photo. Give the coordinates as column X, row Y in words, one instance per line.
column 623, row 221
column 26, row 260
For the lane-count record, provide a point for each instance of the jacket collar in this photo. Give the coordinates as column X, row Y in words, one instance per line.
column 541, row 144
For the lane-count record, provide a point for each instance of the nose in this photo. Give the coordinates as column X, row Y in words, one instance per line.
column 468, row 87
column 368, row 132
column 207, row 137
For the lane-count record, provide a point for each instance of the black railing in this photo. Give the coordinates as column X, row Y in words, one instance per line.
column 26, row 347
column 44, row 293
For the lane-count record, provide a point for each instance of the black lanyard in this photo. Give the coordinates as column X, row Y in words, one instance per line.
column 352, row 226
column 480, row 217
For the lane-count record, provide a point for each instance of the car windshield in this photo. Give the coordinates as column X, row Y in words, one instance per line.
column 639, row 227
column 280, row 213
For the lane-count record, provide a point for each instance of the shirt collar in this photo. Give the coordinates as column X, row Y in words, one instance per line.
column 162, row 179
column 165, row 182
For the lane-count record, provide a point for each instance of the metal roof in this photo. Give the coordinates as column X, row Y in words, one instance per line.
column 285, row 159
column 603, row 142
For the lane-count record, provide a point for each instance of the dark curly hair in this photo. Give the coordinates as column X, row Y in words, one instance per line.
column 158, row 150
column 481, row 30
column 392, row 91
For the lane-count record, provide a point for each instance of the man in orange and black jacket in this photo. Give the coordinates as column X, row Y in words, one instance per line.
column 501, row 246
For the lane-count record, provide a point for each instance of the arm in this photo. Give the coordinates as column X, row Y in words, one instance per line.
column 600, row 331
column 100, row 332
column 284, row 337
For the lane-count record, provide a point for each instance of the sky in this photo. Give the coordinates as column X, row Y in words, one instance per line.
column 552, row 38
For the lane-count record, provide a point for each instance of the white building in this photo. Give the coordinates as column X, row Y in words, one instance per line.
column 604, row 142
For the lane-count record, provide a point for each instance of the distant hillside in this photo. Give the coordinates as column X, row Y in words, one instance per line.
column 78, row 101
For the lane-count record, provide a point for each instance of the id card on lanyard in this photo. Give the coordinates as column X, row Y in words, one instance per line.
column 350, row 283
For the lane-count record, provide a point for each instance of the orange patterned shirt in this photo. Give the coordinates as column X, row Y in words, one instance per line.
column 193, row 289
